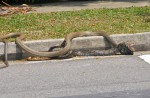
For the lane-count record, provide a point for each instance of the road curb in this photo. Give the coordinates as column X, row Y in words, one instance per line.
column 140, row 41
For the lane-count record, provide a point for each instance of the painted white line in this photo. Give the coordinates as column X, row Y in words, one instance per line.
column 146, row 58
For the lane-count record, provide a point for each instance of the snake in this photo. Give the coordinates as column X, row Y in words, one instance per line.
column 65, row 46
column 5, row 54
column 123, row 48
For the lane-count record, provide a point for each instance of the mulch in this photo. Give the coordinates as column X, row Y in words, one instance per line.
column 8, row 9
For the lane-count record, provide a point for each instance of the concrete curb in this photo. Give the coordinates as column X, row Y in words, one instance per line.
column 140, row 41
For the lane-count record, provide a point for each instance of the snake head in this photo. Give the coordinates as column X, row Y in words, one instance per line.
column 125, row 49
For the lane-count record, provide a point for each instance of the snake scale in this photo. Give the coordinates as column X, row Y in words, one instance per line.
column 66, row 45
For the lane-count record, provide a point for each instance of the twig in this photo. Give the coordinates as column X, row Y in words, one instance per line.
column 6, row 4
column 9, row 10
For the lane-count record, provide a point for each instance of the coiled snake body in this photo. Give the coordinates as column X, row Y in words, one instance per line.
column 65, row 46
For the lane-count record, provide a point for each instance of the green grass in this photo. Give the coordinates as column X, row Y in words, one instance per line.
column 58, row 24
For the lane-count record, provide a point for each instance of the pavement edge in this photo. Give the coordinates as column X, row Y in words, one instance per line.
column 140, row 41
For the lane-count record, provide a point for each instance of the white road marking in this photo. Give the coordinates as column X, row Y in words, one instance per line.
column 146, row 58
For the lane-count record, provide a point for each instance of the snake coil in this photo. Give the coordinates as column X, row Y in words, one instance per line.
column 123, row 48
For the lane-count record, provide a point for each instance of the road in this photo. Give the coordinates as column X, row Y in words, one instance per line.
column 108, row 77
column 88, row 4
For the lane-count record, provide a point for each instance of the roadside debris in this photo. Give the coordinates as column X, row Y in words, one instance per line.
column 9, row 9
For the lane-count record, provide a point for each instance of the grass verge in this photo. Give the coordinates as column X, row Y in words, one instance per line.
column 57, row 24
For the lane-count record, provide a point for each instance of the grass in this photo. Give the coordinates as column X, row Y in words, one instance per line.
column 57, row 24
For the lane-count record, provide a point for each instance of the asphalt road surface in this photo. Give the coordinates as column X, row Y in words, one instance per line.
column 110, row 77
column 87, row 4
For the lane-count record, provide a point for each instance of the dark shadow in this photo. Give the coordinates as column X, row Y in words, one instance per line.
column 70, row 3
column 65, row 2
column 127, row 0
